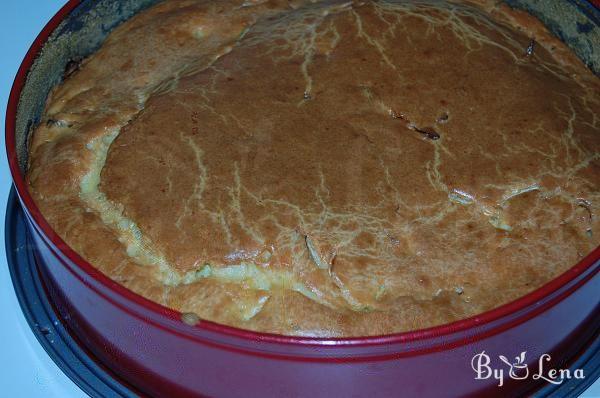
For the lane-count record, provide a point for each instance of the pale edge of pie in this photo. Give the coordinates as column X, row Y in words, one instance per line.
column 324, row 168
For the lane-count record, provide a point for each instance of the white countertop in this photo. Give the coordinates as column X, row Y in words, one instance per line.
column 27, row 369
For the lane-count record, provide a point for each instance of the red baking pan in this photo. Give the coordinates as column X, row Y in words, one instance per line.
column 148, row 346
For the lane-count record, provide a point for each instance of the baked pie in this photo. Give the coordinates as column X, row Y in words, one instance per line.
column 324, row 168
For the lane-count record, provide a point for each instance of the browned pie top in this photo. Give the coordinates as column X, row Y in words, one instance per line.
column 325, row 169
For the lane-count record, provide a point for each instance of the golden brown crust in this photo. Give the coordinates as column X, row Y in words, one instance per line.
column 326, row 169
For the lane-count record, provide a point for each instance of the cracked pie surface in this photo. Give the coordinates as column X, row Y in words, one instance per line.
column 325, row 168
